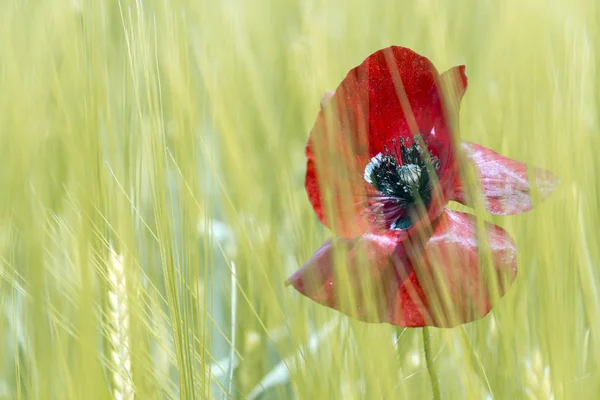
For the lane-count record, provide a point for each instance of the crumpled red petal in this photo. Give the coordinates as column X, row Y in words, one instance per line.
column 504, row 183
column 383, row 282
column 393, row 94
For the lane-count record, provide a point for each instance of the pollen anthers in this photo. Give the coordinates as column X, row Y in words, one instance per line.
column 401, row 174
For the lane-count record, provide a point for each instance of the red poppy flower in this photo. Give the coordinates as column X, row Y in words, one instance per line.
column 381, row 169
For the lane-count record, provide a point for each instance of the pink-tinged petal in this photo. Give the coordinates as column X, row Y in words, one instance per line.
column 450, row 273
column 367, row 264
column 326, row 98
column 505, row 183
column 392, row 95
column 442, row 286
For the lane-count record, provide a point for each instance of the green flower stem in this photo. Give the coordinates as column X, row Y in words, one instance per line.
column 435, row 385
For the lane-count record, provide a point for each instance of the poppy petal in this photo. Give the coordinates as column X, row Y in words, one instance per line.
column 505, row 183
column 367, row 268
column 458, row 289
column 399, row 86
column 455, row 81
column 326, row 97
column 387, row 97
column 446, row 97
column 441, row 286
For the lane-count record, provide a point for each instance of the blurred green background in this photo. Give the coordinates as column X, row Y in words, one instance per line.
column 153, row 149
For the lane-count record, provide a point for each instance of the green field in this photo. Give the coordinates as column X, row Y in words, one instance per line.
column 152, row 199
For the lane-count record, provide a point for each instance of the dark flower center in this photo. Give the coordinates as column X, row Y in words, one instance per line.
column 403, row 177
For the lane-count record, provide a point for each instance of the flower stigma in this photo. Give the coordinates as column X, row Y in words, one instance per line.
column 402, row 177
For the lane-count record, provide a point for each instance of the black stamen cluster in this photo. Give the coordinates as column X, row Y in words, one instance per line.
column 402, row 173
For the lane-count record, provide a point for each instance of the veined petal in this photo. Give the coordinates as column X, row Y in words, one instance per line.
column 440, row 283
column 505, row 183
